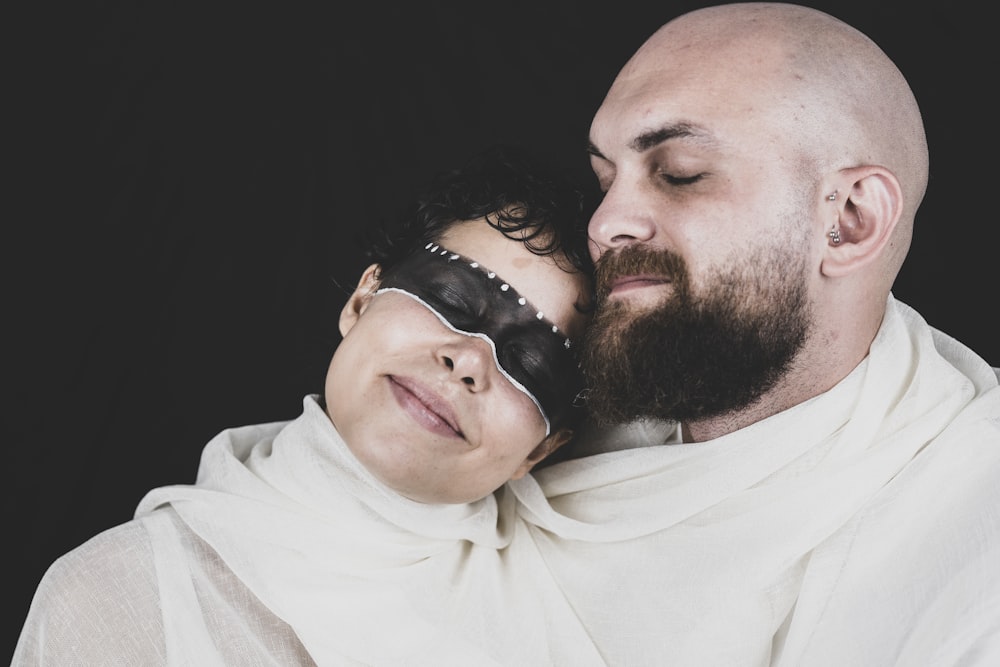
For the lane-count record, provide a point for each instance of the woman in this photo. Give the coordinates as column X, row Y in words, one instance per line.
column 369, row 530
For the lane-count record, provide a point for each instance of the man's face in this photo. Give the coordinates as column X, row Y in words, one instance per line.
column 701, row 241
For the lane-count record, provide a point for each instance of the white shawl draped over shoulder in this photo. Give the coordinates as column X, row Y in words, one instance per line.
column 859, row 528
column 287, row 551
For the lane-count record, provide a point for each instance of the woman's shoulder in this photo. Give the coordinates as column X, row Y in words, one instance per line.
column 100, row 599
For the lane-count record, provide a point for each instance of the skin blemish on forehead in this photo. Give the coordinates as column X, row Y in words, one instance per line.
column 523, row 262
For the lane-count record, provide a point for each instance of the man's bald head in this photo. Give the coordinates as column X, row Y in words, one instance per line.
column 762, row 166
column 844, row 101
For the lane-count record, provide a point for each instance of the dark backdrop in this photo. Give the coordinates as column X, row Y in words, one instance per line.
column 189, row 178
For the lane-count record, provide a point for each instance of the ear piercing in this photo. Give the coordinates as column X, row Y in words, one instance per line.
column 834, row 233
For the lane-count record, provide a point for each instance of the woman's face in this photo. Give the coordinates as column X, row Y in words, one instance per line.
column 423, row 404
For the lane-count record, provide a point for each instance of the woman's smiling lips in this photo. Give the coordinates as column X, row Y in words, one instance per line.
column 424, row 406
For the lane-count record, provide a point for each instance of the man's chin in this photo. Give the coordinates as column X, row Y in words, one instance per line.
column 631, row 307
column 681, row 363
column 662, row 352
column 642, row 297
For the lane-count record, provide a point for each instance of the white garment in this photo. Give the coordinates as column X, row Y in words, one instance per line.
column 860, row 528
column 287, row 552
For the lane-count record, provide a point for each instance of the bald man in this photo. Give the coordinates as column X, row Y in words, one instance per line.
column 790, row 466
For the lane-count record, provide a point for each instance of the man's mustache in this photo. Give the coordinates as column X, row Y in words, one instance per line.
column 636, row 259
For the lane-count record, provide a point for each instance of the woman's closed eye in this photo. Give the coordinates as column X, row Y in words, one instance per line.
column 453, row 303
column 525, row 363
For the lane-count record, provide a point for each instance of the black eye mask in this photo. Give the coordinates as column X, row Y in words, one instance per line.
column 528, row 349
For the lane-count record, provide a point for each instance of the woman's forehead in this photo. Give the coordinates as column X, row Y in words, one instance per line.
column 552, row 290
column 441, row 271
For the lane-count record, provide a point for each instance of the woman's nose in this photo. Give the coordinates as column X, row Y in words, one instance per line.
column 469, row 359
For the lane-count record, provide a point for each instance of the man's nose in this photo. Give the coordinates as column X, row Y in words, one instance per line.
column 623, row 218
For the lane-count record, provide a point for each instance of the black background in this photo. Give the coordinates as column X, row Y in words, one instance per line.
column 188, row 179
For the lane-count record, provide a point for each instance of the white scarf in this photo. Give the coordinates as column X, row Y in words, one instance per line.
column 861, row 527
column 361, row 574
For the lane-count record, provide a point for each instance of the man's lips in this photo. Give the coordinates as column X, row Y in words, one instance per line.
column 625, row 284
column 424, row 406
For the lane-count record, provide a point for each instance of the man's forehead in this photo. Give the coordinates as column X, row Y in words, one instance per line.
column 639, row 138
column 705, row 116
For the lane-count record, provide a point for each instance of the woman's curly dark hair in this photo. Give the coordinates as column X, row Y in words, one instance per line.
column 514, row 191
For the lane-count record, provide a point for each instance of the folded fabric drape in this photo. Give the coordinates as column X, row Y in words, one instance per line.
column 861, row 527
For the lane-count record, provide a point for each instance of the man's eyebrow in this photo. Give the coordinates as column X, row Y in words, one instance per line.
column 652, row 138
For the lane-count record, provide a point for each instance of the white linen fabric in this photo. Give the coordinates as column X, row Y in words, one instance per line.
column 859, row 528
column 287, row 551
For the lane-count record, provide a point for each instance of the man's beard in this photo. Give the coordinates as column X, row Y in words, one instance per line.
column 693, row 356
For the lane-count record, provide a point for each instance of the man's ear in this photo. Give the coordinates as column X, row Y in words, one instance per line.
column 550, row 444
column 358, row 301
column 868, row 203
